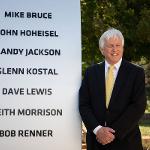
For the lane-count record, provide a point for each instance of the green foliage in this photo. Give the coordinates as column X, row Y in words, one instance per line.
column 131, row 17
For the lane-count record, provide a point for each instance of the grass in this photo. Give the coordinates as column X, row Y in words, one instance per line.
column 145, row 130
column 145, row 127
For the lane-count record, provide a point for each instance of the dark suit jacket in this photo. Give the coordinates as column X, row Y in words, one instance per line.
column 127, row 105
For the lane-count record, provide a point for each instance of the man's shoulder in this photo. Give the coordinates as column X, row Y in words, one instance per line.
column 133, row 66
column 95, row 66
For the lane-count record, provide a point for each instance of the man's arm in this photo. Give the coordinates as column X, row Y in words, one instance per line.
column 130, row 118
column 85, row 109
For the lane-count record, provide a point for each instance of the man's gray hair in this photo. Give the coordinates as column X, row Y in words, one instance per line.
column 112, row 32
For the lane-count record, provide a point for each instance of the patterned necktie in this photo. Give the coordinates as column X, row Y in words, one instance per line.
column 109, row 83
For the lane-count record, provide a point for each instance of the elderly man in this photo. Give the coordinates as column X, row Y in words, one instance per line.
column 112, row 98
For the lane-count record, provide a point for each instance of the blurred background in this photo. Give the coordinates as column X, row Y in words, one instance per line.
column 132, row 18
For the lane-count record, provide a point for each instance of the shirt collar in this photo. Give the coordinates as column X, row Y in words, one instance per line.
column 117, row 65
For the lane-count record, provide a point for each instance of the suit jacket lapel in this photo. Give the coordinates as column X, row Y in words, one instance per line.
column 101, row 83
column 120, row 79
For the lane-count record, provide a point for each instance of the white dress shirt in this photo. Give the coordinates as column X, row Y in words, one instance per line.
column 117, row 66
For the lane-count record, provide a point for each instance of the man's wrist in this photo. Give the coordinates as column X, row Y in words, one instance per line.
column 96, row 129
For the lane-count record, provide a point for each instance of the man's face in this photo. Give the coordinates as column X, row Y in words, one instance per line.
column 113, row 50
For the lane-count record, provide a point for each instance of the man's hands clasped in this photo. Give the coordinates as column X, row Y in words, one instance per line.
column 105, row 135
